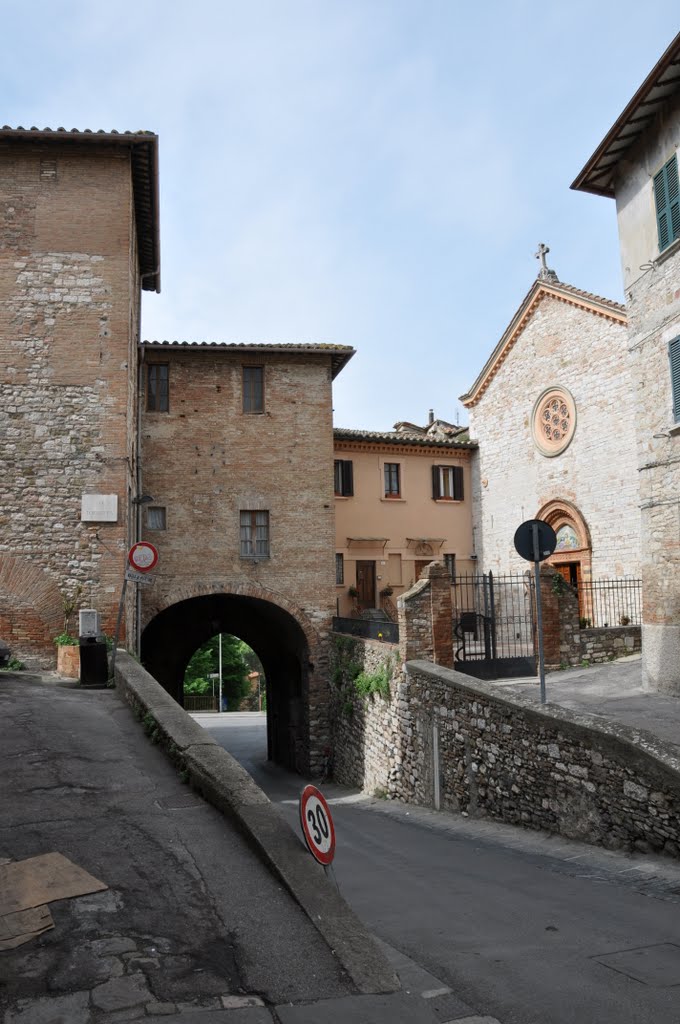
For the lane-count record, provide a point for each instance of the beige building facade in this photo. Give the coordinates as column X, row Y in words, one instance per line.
column 550, row 412
column 402, row 500
column 637, row 165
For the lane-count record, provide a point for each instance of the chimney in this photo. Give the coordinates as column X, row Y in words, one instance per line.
column 431, row 417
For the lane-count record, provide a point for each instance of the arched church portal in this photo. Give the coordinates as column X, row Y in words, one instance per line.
column 572, row 557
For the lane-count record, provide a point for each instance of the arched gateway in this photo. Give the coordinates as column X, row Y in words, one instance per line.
column 287, row 646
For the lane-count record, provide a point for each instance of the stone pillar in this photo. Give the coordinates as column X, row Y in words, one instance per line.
column 561, row 635
column 426, row 618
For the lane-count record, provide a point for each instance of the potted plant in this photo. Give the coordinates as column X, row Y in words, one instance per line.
column 68, row 655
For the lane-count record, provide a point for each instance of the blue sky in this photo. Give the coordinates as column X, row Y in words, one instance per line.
column 373, row 173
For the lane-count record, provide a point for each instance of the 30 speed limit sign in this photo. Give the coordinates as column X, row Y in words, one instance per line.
column 317, row 825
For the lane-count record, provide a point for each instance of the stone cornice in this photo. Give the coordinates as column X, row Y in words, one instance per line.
column 540, row 290
column 438, row 453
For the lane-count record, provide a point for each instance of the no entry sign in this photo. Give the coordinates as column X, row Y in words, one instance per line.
column 317, row 825
column 142, row 556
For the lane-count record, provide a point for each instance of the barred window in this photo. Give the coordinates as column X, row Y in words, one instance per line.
column 253, row 389
column 254, row 534
column 339, row 569
column 450, row 563
column 158, row 387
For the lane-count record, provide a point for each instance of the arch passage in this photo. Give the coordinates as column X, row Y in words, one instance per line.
column 173, row 635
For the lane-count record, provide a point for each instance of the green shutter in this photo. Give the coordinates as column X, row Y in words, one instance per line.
column 667, row 200
column 674, row 356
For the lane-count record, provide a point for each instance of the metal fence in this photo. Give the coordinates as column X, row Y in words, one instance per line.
column 202, row 702
column 493, row 625
column 606, row 603
column 369, row 629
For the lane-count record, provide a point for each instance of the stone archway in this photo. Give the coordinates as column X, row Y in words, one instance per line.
column 31, row 611
column 288, row 649
column 573, row 555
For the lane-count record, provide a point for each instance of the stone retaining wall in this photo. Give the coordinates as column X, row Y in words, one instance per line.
column 440, row 738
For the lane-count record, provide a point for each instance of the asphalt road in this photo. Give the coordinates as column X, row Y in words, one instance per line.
column 527, row 928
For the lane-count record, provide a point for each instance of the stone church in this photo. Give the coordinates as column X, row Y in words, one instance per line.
column 552, row 414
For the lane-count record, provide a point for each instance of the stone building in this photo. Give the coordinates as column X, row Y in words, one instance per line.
column 637, row 165
column 236, row 453
column 402, row 499
column 79, row 241
column 551, row 413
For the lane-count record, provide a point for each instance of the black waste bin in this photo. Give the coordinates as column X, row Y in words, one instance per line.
column 94, row 662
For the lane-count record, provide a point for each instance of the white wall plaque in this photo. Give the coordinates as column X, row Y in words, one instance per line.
column 99, row 508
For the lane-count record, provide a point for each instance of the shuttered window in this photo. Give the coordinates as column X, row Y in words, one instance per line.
column 343, row 477
column 667, row 199
column 447, row 483
column 674, row 356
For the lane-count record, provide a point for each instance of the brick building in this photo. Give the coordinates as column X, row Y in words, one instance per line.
column 402, row 499
column 637, row 164
column 551, row 413
column 78, row 242
column 236, row 452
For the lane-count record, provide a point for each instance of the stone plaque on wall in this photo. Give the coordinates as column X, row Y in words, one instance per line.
column 99, row 508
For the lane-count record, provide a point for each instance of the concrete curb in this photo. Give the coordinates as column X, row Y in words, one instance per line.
column 224, row 783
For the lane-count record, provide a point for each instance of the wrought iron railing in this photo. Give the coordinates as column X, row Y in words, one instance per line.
column 606, row 603
column 369, row 629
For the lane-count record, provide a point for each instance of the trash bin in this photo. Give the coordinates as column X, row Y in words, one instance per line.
column 94, row 662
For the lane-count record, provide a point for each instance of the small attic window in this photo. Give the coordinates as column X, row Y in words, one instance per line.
column 48, row 170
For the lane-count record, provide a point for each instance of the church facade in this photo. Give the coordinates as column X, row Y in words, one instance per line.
column 551, row 413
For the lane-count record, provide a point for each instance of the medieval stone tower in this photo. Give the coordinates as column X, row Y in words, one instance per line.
column 78, row 243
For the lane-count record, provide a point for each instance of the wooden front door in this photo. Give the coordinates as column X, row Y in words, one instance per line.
column 420, row 565
column 366, row 584
column 571, row 573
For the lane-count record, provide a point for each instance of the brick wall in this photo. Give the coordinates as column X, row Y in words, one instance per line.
column 205, row 461
column 69, row 311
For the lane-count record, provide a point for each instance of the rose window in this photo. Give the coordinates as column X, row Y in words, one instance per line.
column 553, row 421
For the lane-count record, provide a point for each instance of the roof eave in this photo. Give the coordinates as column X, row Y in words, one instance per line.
column 584, row 180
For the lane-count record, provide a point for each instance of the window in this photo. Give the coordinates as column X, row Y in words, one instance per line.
column 253, row 389
column 447, row 483
column 339, row 570
column 157, row 387
column 343, row 476
column 450, row 563
column 674, row 356
column 667, row 200
column 254, row 534
column 392, row 481
column 155, row 517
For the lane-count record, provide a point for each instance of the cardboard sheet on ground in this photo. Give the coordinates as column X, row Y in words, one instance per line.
column 15, row 929
column 38, row 880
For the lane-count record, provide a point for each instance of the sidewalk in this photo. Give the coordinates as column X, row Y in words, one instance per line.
column 612, row 691
column 192, row 928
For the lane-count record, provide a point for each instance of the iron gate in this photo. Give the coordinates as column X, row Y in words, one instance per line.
column 493, row 626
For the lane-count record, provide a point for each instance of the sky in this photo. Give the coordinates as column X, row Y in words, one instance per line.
column 373, row 173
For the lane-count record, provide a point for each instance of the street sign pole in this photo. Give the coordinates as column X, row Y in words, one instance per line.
column 219, row 709
column 539, row 608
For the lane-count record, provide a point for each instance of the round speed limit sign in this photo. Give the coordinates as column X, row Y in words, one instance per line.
column 317, row 825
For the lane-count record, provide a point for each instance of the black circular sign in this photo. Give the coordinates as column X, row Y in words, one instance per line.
column 524, row 540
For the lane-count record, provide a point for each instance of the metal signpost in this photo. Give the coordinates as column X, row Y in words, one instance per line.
column 317, row 828
column 142, row 558
column 535, row 541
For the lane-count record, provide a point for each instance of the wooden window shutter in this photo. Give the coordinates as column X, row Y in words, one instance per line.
column 667, row 200
column 436, row 483
column 458, row 492
column 348, row 478
column 674, row 356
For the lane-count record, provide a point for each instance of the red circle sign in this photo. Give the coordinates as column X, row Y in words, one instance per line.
column 142, row 556
column 317, row 825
